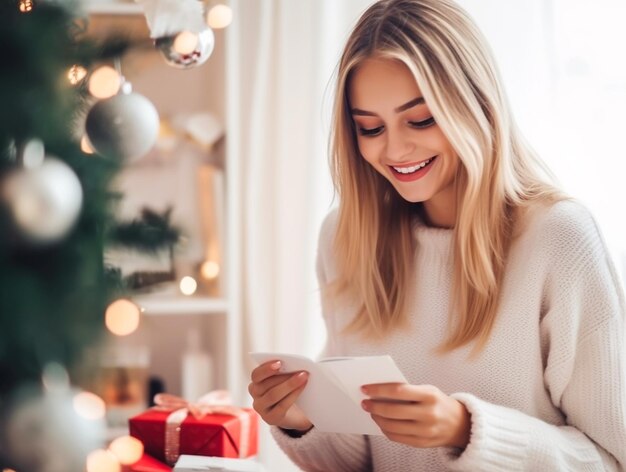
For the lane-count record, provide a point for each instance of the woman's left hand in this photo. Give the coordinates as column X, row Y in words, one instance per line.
column 418, row 415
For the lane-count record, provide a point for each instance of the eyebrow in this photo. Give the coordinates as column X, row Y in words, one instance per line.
column 406, row 106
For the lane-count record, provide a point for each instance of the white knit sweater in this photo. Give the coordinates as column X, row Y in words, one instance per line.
column 548, row 392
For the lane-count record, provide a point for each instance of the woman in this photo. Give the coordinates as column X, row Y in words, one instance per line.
column 452, row 252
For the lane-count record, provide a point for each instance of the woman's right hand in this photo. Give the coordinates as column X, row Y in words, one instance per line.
column 274, row 395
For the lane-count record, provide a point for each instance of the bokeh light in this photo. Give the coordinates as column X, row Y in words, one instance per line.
column 86, row 146
column 122, row 317
column 104, row 82
column 220, row 16
column 76, row 74
column 188, row 285
column 102, row 461
column 127, row 449
column 26, row 6
column 89, row 406
column 210, row 270
column 185, row 42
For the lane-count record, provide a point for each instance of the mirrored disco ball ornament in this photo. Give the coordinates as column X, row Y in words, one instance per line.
column 44, row 196
column 186, row 50
column 123, row 126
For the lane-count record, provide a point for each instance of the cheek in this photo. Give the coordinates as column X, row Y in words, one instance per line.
column 451, row 167
column 368, row 149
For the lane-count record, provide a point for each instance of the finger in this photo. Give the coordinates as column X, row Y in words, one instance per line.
column 400, row 391
column 280, row 409
column 403, row 427
column 408, row 427
column 275, row 395
column 265, row 370
column 279, row 392
column 258, row 389
column 395, row 410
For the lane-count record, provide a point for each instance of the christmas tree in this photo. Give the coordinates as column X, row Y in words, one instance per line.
column 56, row 219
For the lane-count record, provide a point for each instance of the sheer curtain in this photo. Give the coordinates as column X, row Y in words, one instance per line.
column 282, row 56
column 563, row 66
column 286, row 53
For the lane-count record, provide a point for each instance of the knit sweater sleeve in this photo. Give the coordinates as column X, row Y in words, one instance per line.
column 583, row 331
column 317, row 451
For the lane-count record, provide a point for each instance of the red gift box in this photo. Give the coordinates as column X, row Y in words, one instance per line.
column 215, row 434
column 148, row 464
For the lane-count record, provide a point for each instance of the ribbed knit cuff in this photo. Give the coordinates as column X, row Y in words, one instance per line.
column 498, row 438
column 282, row 437
column 324, row 452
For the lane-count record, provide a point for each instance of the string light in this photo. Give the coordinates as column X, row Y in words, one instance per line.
column 85, row 145
column 220, row 16
column 102, row 461
column 185, row 42
column 76, row 74
column 104, row 82
column 26, row 6
column 210, row 270
column 127, row 449
column 188, row 285
column 122, row 317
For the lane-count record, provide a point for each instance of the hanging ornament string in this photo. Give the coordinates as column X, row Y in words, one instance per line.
column 117, row 63
column 170, row 17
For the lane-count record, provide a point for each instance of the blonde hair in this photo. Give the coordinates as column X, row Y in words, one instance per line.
column 499, row 174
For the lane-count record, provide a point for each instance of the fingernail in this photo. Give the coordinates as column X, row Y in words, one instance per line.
column 365, row 406
column 303, row 375
column 364, row 389
column 275, row 365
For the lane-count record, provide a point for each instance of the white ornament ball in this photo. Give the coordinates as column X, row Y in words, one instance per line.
column 44, row 200
column 47, row 434
column 185, row 49
column 124, row 126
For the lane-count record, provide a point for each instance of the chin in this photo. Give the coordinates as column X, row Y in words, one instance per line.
column 413, row 197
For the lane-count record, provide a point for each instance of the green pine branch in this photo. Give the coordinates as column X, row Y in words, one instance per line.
column 149, row 233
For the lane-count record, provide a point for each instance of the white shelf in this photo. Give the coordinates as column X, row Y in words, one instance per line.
column 113, row 8
column 181, row 305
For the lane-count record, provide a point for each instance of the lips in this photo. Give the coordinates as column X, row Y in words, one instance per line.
column 411, row 164
column 408, row 173
column 408, row 169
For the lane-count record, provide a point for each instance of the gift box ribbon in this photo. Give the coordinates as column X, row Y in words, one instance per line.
column 216, row 402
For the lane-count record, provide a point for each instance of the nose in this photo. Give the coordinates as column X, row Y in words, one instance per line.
column 398, row 145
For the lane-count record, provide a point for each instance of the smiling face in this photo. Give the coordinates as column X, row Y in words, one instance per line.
column 398, row 136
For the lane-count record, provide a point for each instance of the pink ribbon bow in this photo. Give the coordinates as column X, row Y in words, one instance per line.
column 215, row 402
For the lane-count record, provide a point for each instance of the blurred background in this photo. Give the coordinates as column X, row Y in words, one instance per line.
column 229, row 185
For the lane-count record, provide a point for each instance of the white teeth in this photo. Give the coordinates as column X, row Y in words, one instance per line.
column 410, row 170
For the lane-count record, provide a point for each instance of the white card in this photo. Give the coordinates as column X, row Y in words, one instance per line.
column 332, row 398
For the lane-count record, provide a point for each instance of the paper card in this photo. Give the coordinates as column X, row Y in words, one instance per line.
column 332, row 397
column 351, row 374
column 187, row 463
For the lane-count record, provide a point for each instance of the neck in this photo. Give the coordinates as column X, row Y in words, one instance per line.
column 440, row 210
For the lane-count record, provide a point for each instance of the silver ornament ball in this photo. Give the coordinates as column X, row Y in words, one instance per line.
column 45, row 433
column 45, row 200
column 125, row 126
column 180, row 53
